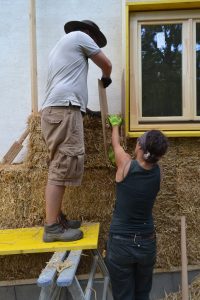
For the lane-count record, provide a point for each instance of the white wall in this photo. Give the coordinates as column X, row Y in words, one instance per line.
column 14, row 71
column 51, row 16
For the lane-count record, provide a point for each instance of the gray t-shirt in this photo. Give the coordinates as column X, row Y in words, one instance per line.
column 68, row 69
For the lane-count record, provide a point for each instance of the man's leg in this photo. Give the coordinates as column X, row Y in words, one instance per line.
column 54, row 230
column 54, row 195
column 66, row 151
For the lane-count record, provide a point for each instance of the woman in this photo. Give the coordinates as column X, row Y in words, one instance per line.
column 131, row 249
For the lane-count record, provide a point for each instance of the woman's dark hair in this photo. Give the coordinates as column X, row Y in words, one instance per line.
column 156, row 145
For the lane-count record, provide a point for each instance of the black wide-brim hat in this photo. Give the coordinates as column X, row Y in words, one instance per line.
column 87, row 25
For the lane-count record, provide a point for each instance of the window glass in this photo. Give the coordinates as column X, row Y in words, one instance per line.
column 198, row 66
column 161, row 56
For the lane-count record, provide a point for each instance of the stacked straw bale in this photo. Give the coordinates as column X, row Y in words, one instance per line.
column 180, row 194
column 22, row 195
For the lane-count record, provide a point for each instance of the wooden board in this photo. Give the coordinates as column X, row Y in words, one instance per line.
column 33, row 55
column 15, row 148
column 184, row 273
column 104, row 113
column 29, row 240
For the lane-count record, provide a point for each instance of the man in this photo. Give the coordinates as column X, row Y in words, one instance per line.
column 62, row 123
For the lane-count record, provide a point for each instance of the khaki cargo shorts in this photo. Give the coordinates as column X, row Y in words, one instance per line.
column 62, row 130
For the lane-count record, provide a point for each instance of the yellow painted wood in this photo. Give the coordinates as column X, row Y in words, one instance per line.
column 135, row 134
column 127, row 75
column 163, row 5
column 29, row 240
column 152, row 6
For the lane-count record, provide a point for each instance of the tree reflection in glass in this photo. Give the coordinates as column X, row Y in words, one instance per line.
column 198, row 66
column 161, row 70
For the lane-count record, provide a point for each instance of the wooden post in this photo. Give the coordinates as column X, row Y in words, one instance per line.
column 33, row 58
column 104, row 113
column 185, row 294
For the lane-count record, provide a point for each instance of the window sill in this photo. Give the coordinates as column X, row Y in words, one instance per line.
column 183, row 133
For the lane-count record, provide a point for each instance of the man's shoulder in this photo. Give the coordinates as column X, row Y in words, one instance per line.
column 82, row 37
column 83, row 41
column 77, row 35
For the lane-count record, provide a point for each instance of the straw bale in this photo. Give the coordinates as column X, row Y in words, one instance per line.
column 26, row 266
column 22, row 193
column 37, row 156
column 21, row 205
column 94, row 146
column 93, row 201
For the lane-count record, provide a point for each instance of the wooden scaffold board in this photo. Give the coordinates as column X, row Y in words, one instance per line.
column 29, row 240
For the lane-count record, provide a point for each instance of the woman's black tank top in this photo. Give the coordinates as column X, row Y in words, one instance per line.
column 135, row 197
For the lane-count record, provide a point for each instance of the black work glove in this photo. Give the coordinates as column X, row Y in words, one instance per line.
column 106, row 81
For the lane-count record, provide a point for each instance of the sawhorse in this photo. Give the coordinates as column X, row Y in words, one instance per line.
column 51, row 285
column 29, row 240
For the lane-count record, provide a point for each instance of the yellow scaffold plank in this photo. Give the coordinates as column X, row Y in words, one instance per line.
column 29, row 240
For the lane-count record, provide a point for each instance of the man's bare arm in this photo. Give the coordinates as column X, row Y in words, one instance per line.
column 103, row 63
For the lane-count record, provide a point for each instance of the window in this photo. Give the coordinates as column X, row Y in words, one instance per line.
column 198, row 67
column 165, row 70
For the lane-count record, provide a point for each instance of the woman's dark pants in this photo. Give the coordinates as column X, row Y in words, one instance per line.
column 130, row 262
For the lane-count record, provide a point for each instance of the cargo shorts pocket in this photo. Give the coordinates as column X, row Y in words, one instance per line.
column 67, row 167
column 50, row 120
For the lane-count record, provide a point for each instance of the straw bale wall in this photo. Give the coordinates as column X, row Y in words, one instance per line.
column 22, row 197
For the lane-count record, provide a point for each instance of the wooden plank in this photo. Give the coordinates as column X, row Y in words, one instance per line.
column 184, row 273
column 67, row 275
column 29, row 240
column 176, row 269
column 104, row 113
column 15, row 148
column 162, row 5
column 18, row 282
column 48, row 274
column 135, row 134
column 33, row 58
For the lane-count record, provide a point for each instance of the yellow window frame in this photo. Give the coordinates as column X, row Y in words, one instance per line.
column 162, row 5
